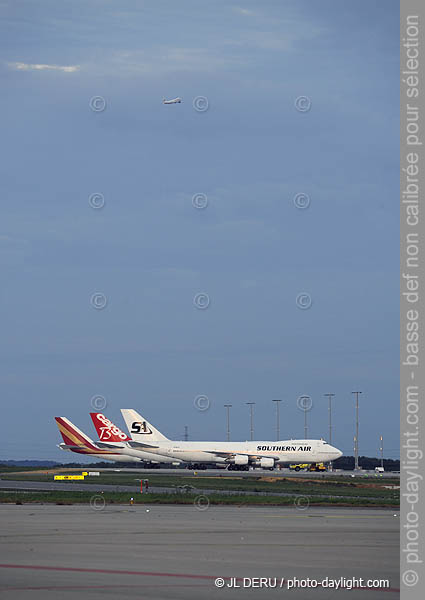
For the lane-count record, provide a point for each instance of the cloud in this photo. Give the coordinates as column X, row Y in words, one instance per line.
column 244, row 11
column 20, row 66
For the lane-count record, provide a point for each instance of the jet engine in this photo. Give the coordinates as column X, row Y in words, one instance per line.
column 266, row 463
column 241, row 459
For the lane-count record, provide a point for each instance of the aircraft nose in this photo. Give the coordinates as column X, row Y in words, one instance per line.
column 338, row 452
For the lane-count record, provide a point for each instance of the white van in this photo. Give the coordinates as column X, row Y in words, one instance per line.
column 379, row 470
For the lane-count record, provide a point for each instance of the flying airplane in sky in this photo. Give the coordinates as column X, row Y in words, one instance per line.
column 174, row 101
column 77, row 441
column 237, row 455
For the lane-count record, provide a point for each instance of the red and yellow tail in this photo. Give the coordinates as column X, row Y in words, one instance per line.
column 72, row 436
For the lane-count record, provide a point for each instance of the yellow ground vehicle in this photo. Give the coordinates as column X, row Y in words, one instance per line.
column 300, row 467
column 308, row 467
column 317, row 467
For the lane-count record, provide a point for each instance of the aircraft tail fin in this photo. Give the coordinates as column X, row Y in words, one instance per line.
column 139, row 428
column 72, row 436
column 106, row 430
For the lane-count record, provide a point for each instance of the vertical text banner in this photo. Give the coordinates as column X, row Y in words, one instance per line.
column 412, row 299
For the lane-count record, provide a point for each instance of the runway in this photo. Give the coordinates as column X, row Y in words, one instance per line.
column 285, row 472
column 176, row 552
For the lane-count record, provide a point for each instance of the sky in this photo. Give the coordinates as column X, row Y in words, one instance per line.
column 252, row 250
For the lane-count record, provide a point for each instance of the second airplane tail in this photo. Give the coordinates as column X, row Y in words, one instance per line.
column 106, row 430
column 138, row 426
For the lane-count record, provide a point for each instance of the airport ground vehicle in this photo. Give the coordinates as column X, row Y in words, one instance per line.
column 308, row 467
column 317, row 467
column 300, row 467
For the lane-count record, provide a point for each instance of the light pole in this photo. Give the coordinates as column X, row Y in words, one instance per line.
column 356, row 437
column 381, row 439
column 330, row 396
column 186, row 433
column 228, row 407
column 277, row 419
column 251, row 417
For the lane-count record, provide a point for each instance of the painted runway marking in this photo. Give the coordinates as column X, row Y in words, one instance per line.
column 144, row 573
column 108, row 571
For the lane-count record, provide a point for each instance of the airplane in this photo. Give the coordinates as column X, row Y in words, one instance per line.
column 174, row 101
column 112, row 435
column 237, row 455
column 77, row 441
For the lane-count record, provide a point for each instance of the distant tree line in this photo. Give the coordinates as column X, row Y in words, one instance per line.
column 365, row 462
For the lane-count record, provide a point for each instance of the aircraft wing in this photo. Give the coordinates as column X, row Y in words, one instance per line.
column 70, row 447
column 100, row 444
column 136, row 445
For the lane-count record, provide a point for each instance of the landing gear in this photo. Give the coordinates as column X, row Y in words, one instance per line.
column 196, row 467
column 233, row 467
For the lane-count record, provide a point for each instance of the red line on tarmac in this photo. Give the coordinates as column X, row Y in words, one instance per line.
column 97, row 587
column 109, row 571
column 150, row 574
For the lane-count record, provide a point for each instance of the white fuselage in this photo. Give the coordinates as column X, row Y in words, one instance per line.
column 287, row 451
